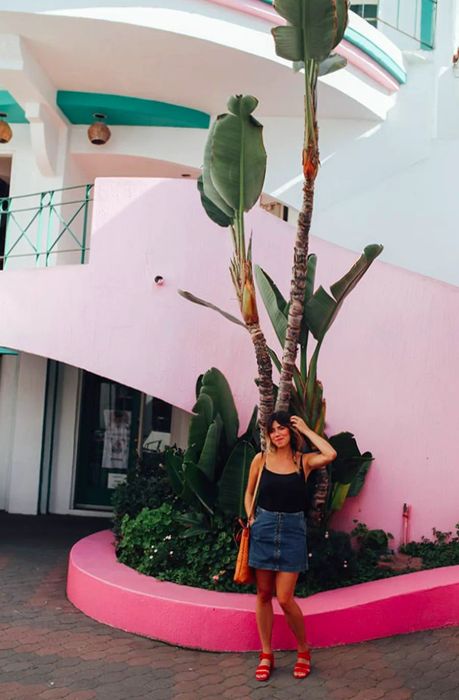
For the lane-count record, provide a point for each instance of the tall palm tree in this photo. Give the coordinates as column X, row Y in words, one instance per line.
column 314, row 28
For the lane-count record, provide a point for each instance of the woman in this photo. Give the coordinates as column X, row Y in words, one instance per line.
column 278, row 529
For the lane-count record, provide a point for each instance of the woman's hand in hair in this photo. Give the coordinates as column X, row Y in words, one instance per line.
column 299, row 424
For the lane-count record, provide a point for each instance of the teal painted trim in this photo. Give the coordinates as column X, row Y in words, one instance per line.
column 15, row 113
column 8, row 351
column 80, row 107
column 428, row 8
column 375, row 52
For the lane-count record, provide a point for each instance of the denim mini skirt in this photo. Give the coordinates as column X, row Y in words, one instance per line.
column 278, row 541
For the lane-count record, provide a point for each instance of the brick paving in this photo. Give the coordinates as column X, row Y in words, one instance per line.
column 49, row 650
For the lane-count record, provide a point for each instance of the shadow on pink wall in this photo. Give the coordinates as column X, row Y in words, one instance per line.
column 388, row 365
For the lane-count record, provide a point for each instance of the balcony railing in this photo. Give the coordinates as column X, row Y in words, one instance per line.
column 413, row 19
column 46, row 228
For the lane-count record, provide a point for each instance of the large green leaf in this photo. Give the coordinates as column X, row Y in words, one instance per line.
column 331, row 64
column 347, row 283
column 203, row 415
column 349, row 460
column 238, row 157
column 338, row 496
column 173, row 464
column 359, row 479
column 315, row 28
column 200, row 486
column 322, row 309
column 213, row 212
column 275, row 304
column 308, row 292
column 209, row 452
column 209, row 305
column 215, row 385
column 252, row 433
column 233, row 481
column 209, row 189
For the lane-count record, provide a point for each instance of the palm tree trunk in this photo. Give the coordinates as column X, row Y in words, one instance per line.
column 265, row 380
column 297, row 289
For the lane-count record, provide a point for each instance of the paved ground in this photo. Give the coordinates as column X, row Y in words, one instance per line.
column 49, row 650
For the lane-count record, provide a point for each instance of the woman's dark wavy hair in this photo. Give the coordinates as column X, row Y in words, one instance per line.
column 283, row 418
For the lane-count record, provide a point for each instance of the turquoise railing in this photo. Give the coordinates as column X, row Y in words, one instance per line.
column 414, row 19
column 46, row 228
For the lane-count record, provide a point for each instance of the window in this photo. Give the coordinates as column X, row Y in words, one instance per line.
column 367, row 10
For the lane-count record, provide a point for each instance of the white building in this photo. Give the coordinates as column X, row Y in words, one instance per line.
column 157, row 74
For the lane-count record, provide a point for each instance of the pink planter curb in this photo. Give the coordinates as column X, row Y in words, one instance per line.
column 115, row 595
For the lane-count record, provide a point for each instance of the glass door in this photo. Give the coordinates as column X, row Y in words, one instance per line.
column 109, row 426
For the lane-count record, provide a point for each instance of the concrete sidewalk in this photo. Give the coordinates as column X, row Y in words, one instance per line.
column 49, row 650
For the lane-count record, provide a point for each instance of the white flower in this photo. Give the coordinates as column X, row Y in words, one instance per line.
column 168, row 537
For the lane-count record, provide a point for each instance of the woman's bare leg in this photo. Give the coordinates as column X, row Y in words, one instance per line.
column 264, row 609
column 285, row 589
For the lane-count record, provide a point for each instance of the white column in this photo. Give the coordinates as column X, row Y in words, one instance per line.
column 9, row 366
column 65, row 441
column 27, row 435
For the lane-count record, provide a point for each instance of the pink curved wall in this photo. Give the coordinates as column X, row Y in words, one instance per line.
column 388, row 364
column 112, row 593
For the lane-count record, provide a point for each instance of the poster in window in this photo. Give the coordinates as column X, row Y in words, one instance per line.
column 116, row 439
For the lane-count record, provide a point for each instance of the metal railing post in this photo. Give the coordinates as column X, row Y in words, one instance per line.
column 48, row 233
column 39, row 229
column 85, row 222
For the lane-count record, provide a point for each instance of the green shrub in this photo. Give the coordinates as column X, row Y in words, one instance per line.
column 443, row 550
column 155, row 543
column 146, row 486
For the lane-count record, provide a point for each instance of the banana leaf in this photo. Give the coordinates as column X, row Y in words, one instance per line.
column 308, row 292
column 275, row 304
column 233, row 481
column 252, row 434
column 209, row 305
column 330, row 64
column 359, row 479
column 315, row 28
column 349, row 462
column 237, row 156
column 173, row 464
column 209, row 452
column 213, row 212
column 338, row 496
column 198, row 485
column 215, row 385
column 322, row 309
column 209, row 190
column 203, row 414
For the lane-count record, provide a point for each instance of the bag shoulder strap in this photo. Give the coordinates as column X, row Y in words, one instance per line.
column 255, row 493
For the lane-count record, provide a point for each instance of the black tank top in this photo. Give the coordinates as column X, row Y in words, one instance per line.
column 283, row 493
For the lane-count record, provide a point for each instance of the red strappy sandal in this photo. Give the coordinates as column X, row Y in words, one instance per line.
column 263, row 671
column 302, row 669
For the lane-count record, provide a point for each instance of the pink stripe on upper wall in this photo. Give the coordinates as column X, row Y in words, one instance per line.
column 355, row 57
